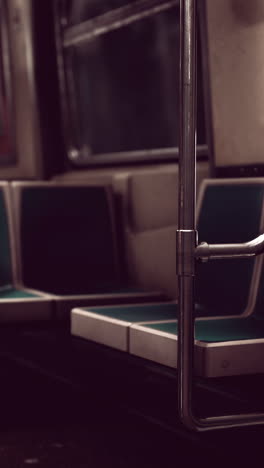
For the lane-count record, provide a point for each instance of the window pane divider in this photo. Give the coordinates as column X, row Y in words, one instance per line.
column 114, row 19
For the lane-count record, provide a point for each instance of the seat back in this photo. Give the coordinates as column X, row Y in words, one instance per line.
column 6, row 236
column 229, row 211
column 66, row 237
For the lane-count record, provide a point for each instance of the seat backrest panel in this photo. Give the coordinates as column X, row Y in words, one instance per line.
column 230, row 213
column 67, row 239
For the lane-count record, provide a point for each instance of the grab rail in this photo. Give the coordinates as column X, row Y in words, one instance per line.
column 187, row 247
column 252, row 248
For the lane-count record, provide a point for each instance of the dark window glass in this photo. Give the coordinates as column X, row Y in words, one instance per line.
column 123, row 87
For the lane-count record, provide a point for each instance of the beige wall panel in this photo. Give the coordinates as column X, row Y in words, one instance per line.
column 151, row 257
column 236, row 66
column 153, row 197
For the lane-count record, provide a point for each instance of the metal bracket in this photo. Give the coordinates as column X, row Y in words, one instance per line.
column 186, row 242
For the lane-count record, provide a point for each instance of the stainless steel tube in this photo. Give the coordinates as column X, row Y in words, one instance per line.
column 218, row 251
column 187, row 143
column 186, row 234
column 186, row 243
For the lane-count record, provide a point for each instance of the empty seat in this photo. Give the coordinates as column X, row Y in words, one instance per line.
column 16, row 302
column 228, row 211
column 232, row 346
column 67, row 244
column 110, row 325
column 223, row 347
column 222, row 286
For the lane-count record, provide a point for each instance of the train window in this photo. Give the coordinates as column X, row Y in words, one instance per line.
column 121, row 83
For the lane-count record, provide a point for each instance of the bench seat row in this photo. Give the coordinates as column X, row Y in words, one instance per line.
column 58, row 249
column 229, row 328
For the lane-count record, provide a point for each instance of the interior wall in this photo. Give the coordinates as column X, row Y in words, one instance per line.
column 236, row 67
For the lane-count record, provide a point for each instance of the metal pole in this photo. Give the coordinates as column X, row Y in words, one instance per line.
column 186, row 235
column 186, row 242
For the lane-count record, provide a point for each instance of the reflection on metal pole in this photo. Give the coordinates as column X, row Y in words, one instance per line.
column 186, row 234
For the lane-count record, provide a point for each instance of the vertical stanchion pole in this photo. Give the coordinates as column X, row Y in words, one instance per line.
column 186, row 240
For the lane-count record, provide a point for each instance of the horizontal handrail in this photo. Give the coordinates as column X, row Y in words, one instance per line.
column 205, row 251
column 80, row 159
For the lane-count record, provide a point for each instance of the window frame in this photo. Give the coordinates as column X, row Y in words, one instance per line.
column 7, row 97
column 68, row 35
column 26, row 161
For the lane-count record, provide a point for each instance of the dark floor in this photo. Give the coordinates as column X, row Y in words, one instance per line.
column 56, row 411
column 43, row 423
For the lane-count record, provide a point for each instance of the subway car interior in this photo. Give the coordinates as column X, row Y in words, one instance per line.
column 131, row 277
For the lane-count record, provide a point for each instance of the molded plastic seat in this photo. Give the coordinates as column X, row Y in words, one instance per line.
column 16, row 302
column 233, row 347
column 223, row 346
column 229, row 211
column 68, row 246
column 110, row 325
column 230, row 289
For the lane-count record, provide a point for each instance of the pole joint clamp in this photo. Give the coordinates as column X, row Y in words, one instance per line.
column 186, row 243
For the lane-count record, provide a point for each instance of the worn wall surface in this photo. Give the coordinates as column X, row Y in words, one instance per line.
column 236, row 66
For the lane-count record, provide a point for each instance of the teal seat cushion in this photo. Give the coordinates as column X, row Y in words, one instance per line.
column 146, row 312
column 137, row 313
column 230, row 213
column 11, row 293
column 219, row 330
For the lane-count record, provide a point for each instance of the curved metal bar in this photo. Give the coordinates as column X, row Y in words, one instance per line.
column 252, row 248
